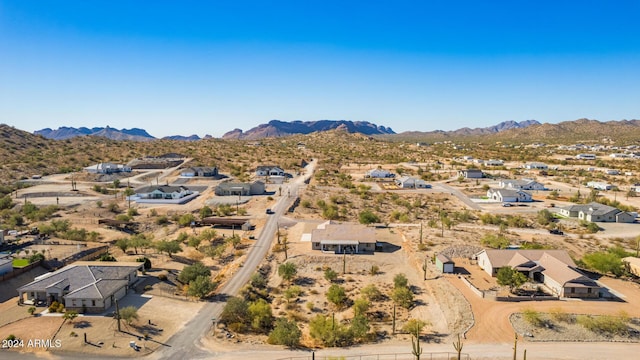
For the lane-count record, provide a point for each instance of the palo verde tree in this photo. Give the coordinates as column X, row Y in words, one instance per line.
column 508, row 276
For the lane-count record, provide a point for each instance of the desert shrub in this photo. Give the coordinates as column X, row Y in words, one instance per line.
column 337, row 295
column 558, row 314
column 162, row 277
column 190, row 273
column 605, row 324
column 414, row 326
column 286, row 333
column 403, row 297
column 375, row 269
column 400, row 280
column 372, row 293
column 330, row 275
column 360, row 306
column 533, row 317
column 329, row 331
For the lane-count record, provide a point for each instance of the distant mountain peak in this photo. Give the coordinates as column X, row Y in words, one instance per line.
column 64, row 132
column 279, row 128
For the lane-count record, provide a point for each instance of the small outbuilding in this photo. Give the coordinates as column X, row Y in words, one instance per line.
column 444, row 264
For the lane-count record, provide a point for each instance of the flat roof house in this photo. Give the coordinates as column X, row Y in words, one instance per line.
column 90, row 286
column 163, row 192
column 240, row 189
column 200, row 171
column 343, row 238
column 553, row 268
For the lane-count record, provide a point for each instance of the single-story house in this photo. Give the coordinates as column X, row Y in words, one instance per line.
column 632, row 264
column 107, row 168
column 86, row 286
column 269, row 171
column 554, row 268
column 343, row 238
column 586, row 156
column 201, row 171
column 612, row 172
column 596, row 212
column 408, row 182
column 6, row 263
column 471, row 173
column 379, row 174
column 163, row 192
column 240, row 189
column 524, row 184
column 444, row 264
column 493, row 162
column 507, row 195
column 536, row 165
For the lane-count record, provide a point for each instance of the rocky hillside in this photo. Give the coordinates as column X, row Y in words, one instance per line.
column 439, row 135
column 277, row 128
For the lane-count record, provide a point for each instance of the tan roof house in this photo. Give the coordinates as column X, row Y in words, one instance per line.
column 553, row 268
column 337, row 238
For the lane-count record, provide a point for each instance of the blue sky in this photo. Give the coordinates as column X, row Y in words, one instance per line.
column 207, row 67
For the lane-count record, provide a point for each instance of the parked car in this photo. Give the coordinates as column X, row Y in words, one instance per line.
column 556, row 232
column 507, row 205
column 269, row 212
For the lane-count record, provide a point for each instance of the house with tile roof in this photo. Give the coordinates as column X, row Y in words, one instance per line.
column 553, row 268
column 90, row 286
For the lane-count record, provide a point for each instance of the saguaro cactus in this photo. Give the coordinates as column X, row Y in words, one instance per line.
column 515, row 347
column 424, row 268
column 458, row 346
column 416, row 350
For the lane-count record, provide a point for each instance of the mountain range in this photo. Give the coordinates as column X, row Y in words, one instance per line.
column 276, row 128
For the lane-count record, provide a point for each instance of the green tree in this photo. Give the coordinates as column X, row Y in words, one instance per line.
column 403, row 297
column 194, row 241
column 70, row 315
column 545, row 217
column 261, row 316
column 236, row 313
column 201, row 286
column 169, row 247
column 186, row 220
column 287, row 271
column 123, row 244
column 139, row 241
column 129, row 314
column 400, row 280
column 205, row 211
column 360, row 306
column 414, row 326
column 372, row 293
column 508, row 276
column 329, row 331
column 359, row 327
column 286, row 333
column 367, row 217
column 330, row 275
column 337, row 295
column 191, row 272
column 605, row 262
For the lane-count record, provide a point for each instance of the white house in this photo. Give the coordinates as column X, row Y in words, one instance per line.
column 407, row 182
column 507, row 195
column 596, row 212
column 107, row 168
column 200, row 171
column 554, row 268
column 524, row 184
column 269, row 171
column 585, row 157
column 493, row 162
column 536, row 165
column 612, row 172
column 379, row 174
column 163, row 192
column 599, row 185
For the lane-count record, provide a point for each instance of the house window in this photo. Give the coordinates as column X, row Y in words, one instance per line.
column 93, row 303
column 573, row 290
column 73, row 302
column 589, row 290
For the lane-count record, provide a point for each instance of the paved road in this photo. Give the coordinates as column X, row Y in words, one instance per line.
column 462, row 197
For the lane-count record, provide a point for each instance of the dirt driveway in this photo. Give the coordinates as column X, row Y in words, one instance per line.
column 492, row 317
